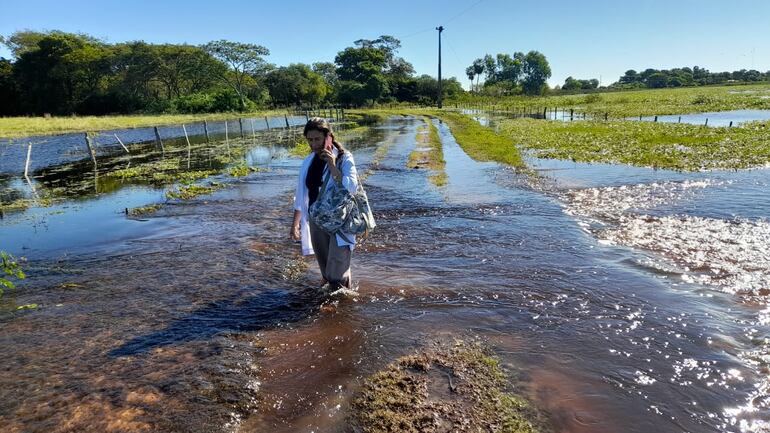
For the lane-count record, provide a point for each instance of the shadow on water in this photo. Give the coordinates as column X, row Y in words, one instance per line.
column 236, row 314
column 202, row 318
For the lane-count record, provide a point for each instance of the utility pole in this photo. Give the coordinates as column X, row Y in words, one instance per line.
column 440, row 94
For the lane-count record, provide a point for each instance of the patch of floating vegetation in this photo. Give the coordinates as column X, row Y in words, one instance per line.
column 188, row 192
column 647, row 102
column 428, row 153
column 144, row 210
column 458, row 387
column 243, row 170
column 647, row 144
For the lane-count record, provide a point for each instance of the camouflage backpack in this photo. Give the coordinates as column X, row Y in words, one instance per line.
column 338, row 211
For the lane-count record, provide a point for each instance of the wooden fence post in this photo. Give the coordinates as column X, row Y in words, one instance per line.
column 158, row 141
column 227, row 142
column 267, row 124
column 121, row 143
column 240, row 123
column 286, row 118
column 206, row 131
column 90, row 148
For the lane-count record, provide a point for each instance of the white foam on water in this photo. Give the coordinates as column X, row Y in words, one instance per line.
column 733, row 255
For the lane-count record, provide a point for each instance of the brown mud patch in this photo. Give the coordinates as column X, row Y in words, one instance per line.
column 458, row 388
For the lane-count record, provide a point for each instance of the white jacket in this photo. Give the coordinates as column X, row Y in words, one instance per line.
column 349, row 181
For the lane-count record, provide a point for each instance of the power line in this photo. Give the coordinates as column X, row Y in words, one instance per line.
column 444, row 21
column 464, row 11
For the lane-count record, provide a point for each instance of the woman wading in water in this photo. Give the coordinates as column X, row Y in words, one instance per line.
column 328, row 158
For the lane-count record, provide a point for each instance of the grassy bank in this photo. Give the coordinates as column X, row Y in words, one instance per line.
column 648, row 102
column 480, row 142
column 660, row 145
column 429, row 153
column 15, row 127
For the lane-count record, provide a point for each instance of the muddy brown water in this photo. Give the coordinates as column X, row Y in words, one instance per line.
column 620, row 299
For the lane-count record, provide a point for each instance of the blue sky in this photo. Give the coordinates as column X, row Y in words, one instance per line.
column 584, row 39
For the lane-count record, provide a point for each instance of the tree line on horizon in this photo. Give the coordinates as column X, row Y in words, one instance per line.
column 685, row 77
column 65, row 73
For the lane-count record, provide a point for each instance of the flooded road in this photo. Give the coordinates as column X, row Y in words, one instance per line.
column 620, row 298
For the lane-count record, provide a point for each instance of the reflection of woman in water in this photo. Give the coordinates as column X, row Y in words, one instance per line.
column 328, row 158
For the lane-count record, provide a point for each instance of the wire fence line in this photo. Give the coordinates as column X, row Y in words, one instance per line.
column 29, row 154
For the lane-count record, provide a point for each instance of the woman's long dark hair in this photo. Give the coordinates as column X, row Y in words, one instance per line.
column 322, row 125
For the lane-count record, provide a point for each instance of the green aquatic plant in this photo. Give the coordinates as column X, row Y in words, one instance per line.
column 144, row 210
column 625, row 104
column 661, row 145
column 403, row 396
column 10, row 270
column 243, row 170
column 429, row 153
column 187, row 192
column 184, row 177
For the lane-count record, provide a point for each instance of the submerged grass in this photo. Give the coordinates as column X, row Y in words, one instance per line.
column 429, row 153
column 455, row 388
column 14, row 127
column 481, row 143
column 660, row 145
column 188, row 192
column 144, row 210
column 647, row 102
column 648, row 144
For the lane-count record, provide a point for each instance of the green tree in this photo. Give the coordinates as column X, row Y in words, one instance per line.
column 61, row 73
column 328, row 71
column 510, row 68
column 631, row 76
column 8, row 91
column 186, row 69
column 536, row 72
column 657, row 80
column 471, row 74
column 134, row 82
column 571, row 84
column 296, row 84
column 360, row 71
column 243, row 60
column 478, row 66
column 490, row 68
column 396, row 71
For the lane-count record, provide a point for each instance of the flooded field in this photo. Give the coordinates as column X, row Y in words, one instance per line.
column 715, row 119
column 619, row 298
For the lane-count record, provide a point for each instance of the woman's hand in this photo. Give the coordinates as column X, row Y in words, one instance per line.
column 294, row 233
column 329, row 157
column 331, row 161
